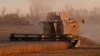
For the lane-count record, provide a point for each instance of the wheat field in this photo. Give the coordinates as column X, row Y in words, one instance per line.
column 8, row 48
column 68, row 52
column 13, row 48
column 46, row 49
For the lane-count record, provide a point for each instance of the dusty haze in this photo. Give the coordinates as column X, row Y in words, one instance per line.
column 39, row 10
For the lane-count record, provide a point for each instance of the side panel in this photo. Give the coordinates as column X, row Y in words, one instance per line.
column 69, row 26
column 64, row 19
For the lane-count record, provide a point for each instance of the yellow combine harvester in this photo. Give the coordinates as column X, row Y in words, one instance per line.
column 55, row 28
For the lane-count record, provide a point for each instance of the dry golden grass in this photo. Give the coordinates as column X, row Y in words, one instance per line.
column 33, row 48
column 18, row 48
column 68, row 52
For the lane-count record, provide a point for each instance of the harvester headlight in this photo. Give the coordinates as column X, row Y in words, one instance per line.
column 70, row 36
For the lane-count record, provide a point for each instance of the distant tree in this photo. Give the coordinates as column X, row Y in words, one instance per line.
column 70, row 11
column 94, row 16
column 13, row 19
column 17, row 11
column 3, row 11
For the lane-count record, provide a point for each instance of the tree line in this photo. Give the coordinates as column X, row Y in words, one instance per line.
column 90, row 16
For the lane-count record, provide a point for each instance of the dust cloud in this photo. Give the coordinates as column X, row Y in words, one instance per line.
column 40, row 8
column 91, row 31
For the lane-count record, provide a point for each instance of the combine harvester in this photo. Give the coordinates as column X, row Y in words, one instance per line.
column 55, row 28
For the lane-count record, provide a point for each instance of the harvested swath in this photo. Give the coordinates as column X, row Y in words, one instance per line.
column 33, row 48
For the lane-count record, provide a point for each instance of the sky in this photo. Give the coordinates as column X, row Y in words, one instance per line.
column 23, row 5
column 13, row 5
